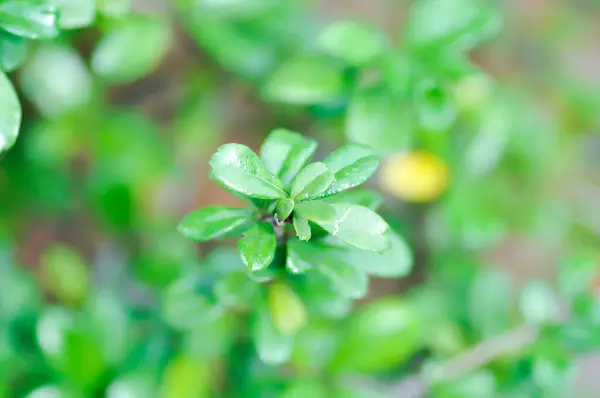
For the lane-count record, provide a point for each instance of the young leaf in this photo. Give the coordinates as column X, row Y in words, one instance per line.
column 284, row 209
column 215, row 222
column 360, row 196
column 352, row 42
column 257, row 248
column 132, row 49
column 10, row 114
column 356, row 225
column 352, row 165
column 273, row 348
column 302, row 228
column 311, row 181
column 285, row 153
column 298, row 257
column 394, row 262
column 75, row 13
column 33, row 21
column 305, row 81
column 241, row 170
column 287, row 310
column 13, row 50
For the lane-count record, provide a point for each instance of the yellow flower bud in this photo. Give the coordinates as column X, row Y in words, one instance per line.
column 416, row 176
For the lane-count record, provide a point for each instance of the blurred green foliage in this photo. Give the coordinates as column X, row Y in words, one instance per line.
column 110, row 111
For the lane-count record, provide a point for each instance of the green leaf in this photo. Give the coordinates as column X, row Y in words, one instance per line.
column 577, row 273
column 241, row 170
column 13, row 50
column 311, row 181
column 185, row 377
column 66, row 274
column 19, row 292
column 460, row 23
column 106, row 315
column 32, row 21
column 135, row 384
column 131, row 49
column 216, row 338
column 478, row 383
column 183, row 307
column 235, row 290
column 233, row 9
column 215, row 222
column 285, row 153
column 342, row 277
column 273, row 348
column 398, row 69
column 231, row 46
column 435, row 109
column 538, row 303
column 298, row 256
column 257, row 248
column 352, row 165
column 379, row 120
column 302, row 228
column 346, row 279
column 304, row 389
column 288, row 313
column 393, row 263
column 55, row 391
column 356, row 225
column 489, row 309
column 354, row 43
column 74, row 14
column 114, row 8
column 305, row 81
column 45, row 83
column 313, row 346
column 360, row 196
column 63, row 340
column 380, row 336
column 284, row 209
column 319, row 293
column 10, row 114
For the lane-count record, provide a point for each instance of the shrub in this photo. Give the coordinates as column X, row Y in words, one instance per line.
column 347, row 281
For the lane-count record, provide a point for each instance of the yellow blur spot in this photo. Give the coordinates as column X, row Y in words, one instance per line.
column 416, row 176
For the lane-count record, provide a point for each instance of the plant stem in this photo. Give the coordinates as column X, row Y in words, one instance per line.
column 480, row 355
column 418, row 385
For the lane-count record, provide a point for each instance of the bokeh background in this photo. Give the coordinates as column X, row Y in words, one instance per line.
column 121, row 116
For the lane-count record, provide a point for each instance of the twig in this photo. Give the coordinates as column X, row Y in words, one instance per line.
column 487, row 351
column 480, row 355
column 418, row 385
